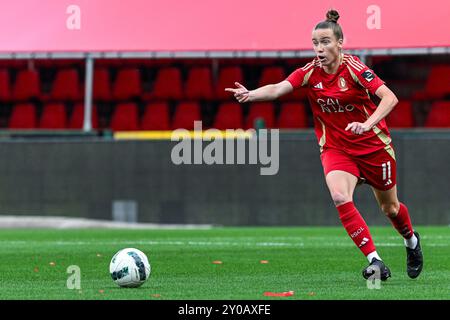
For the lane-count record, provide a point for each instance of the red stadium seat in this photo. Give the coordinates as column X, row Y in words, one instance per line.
column 27, row 85
column 227, row 77
column 109, row 62
column 292, row 116
column 128, row 84
column 53, row 116
column 168, row 84
column 5, row 89
column 229, row 116
column 196, row 62
column 271, row 75
column 438, row 84
column 185, row 115
column 261, row 110
column 66, row 86
column 439, row 115
column 77, row 117
column 101, row 85
column 402, row 116
column 57, row 63
column 125, row 117
column 298, row 94
column 13, row 63
column 23, row 116
column 156, row 117
column 199, row 84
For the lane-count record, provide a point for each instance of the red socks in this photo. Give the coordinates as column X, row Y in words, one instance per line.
column 356, row 227
column 402, row 222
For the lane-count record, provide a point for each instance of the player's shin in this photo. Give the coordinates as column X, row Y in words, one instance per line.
column 402, row 223
column 356, row 227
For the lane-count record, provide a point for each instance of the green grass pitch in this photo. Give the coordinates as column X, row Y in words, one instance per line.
column 315, row 263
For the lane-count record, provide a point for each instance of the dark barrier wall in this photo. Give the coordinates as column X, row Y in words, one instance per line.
column 83, row 178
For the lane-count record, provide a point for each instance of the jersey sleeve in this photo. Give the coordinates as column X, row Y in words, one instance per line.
column 367, row 78
column 299, row 77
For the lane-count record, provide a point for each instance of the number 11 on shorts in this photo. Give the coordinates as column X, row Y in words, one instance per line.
column 387, row 173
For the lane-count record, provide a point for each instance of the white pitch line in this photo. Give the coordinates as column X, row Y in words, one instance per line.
column 207, row 243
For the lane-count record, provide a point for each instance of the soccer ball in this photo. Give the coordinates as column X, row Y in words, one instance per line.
column 129, row 268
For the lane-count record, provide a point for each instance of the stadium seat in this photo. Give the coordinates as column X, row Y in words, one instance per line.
column 185, row 115
column 156, row 117
column 53, row 116
column 261, row 110
column 27, row 85
column 292, row 116
column 229, row 116
column 271, row 75
column 437, row 85
column 125, row 117
column 227, row 77
column 109, row 63
column 66, row 86
column 136, row 62
column 77, row 117
column 101, row 85
column 199, row 84
column 439, row 115
column 5, row 89
column 195, row 62
column 127, row 84
column 402, row 116
column 23, row 116
column 13, row 63
column 297, row 95
column 57, row 63
column 168, row 84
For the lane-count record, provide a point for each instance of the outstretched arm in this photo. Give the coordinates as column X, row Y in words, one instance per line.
column 387, row 103
column 265, row 93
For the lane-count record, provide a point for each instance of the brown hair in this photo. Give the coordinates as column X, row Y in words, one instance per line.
column 331, row 23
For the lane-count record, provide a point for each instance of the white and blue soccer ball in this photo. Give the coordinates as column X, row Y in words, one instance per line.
column 129, row 268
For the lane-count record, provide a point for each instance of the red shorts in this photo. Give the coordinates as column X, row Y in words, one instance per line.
column 378, row 169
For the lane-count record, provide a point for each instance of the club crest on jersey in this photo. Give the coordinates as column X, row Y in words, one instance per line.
column 368, row 75
column 342, row 84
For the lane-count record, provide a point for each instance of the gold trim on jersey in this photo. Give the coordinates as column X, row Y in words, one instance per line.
column 353, row 75
column 350, row 60
column 307, row 76
column 383, row 137
column 323, row 138
column 355, row 78
column 386, row 140
column 390, row 151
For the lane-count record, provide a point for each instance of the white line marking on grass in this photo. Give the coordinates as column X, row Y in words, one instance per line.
column 175, row 243
column 207, row 243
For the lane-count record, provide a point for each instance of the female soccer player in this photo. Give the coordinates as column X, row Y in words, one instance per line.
column 354, row 140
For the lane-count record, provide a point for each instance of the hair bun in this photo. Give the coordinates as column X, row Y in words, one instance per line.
column 332, row 16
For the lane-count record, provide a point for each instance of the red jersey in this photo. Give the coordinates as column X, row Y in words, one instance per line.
column 339, row 99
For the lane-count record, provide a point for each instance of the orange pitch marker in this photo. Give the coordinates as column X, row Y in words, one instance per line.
column 279, row 294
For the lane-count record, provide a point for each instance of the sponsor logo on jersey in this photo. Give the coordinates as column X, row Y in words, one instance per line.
column 331, row 105
column 342, row 84
column 319, row 86
column 369, row 76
